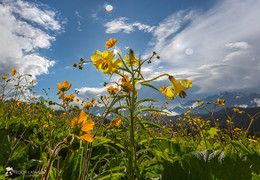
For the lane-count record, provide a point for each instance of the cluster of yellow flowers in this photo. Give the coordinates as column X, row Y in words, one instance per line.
column 112, row 90
column 62, row 88
column 220, row 102
column 89, row 104
column 104, row 61
column 237, row 111
column 116, row 122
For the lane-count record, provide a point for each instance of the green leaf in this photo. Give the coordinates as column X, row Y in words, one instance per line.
column 149, row 109
column 144, row 100
column 112, row 176
column 149, row 85
column 212, row 132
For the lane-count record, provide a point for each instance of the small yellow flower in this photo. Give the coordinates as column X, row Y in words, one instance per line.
column 45, row 126
column 84, row 125
column 62, row 96
column 237, row 129
column 166, row 102
column 116, row 122
column 127, row 86
column 104, row 62
column 13, row 72
column 229, row 122
column 34, row 91
column 32, row 83
column 65, row 86
column 132, row 59
column 220, row 102
column 136, row 92
column 112, row 90
column 162, row 89
column 252, row 140
column 186, row 113
column 58, row 92
column 179, row 88
column 87, row 105
column 4, row 77
column 237, row 111
column 69, row 97
column 20, row 103
column 111, row 43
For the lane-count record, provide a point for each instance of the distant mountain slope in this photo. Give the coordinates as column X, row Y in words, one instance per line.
column 233, row 99
column 240, row 120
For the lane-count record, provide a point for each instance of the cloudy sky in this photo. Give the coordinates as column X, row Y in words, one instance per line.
column 215, row 44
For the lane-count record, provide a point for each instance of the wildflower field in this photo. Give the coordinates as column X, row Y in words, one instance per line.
column 131, row 139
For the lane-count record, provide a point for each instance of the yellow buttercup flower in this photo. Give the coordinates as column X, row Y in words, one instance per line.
column 111, row 43
column 65, row 86
column 4, row 77
column 13, row 72
column 116, row 122
column 104, row 62
column 179, row 88
column 84, row 125
column 132, row 59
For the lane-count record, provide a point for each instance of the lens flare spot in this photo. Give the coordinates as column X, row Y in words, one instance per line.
column 109, row 7
column 189, row 51
column 115, row 51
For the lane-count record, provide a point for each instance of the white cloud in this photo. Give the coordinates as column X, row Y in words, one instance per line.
column 257, row 101
column 243, row 106
column 89, row 92
column 224, row 41
column 79, row 27
column 238, row 45
column 120, row 25
column 25, row 27
column 171, row 113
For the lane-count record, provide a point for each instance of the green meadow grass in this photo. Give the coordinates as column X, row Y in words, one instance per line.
column 132, row 139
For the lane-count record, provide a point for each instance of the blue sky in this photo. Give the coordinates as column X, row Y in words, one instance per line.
column 215, row 44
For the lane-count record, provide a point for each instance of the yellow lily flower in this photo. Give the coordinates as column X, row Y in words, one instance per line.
column 111, row 43
column 84, row 125
column 132, row 59
column 104, row 62
column 64, row 87
column 179, row 88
